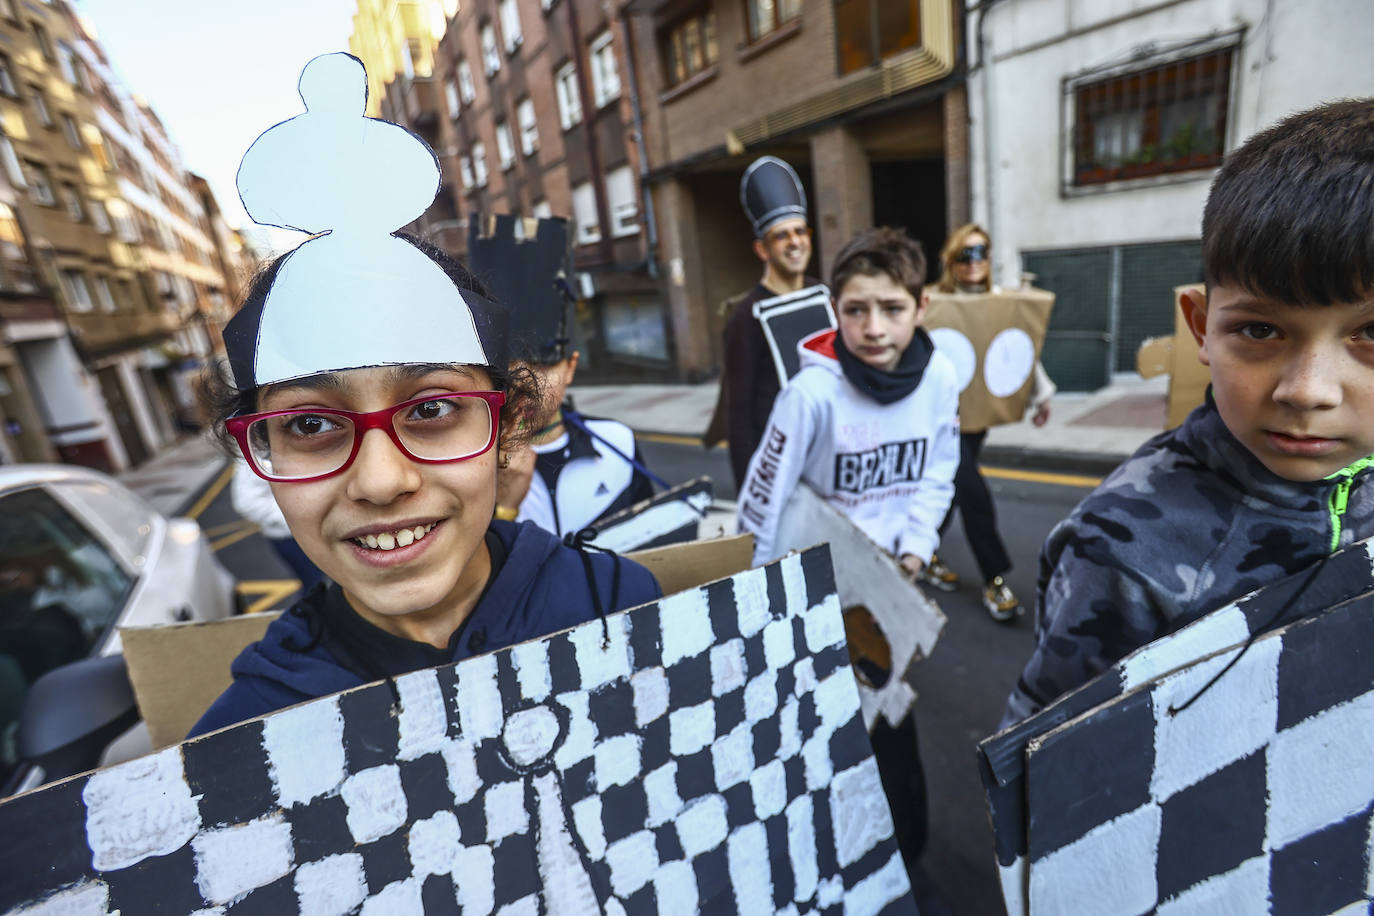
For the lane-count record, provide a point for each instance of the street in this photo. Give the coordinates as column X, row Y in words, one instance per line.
column 961, row 687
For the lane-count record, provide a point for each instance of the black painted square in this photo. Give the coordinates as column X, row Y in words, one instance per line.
column 739, row 805
column 720, row 602
column 777, row 592
column 371, row 733
column 424, row 781
column 1326, row 661
column 269, row 900
column 612, row 709
column 1212, row 826
column 43, row 845
column 320, row 829
column 1321, row 872
column 386, row 860
column 646, row 637
column 158, row 883
column 438, row 897
column 515, row 868
column 229, row 771
column 689, row 681
column 624, row 810
column 819, row 574
column 696, row 775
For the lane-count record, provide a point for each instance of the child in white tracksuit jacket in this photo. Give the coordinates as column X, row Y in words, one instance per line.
column 871, row 423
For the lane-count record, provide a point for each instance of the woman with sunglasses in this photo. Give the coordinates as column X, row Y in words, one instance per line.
column 370, row 389
column 967, row 259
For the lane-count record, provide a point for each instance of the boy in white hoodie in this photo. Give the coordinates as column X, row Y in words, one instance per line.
column 871, row 423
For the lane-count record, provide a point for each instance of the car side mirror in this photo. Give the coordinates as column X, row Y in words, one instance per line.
column 72, row 713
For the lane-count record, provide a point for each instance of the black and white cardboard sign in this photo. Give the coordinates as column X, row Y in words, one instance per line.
column 1175, row 784
column 790, row 318
column 907, row 622
column 671, row 517
column 704, row 753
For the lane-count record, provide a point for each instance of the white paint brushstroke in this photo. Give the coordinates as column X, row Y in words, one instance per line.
column 823, row 625
column 1217, row 631
column 461, row 763
column 474, row 880
column 728, row 669
column 685, row 620
column 1240, row 892
column 801, row 848
column 793, row 583
column 876, row 890
column 598, row 666
column 650, row 686
column 691, row 728
column 633, row 861
column 376, row 802
column 789, row 728
column 1110, row 869
column 617, row 761
column 831, row 892
column 804, row 676
column 332, row 886
column 675, row 889
column 423, row 722
column 89, row 899
column 732, row 756
column 818, row 766
column 660, row 792
column 507, row 815
column 139, row 809
column 305, row 751
column 433, row 844
column 761, row 697
column 769, row 786
column 237, row 859
column 837, row 700
column 702, row 825
column 750, row 869
column 587, row 819
column 751, row 601
column 532, row 669
column 858, row 812
column 779, row 650
column 530, row 735
column 1320, row 770
column 478, row 699
column 580, row 742
column 399, row 898
column 567, row 888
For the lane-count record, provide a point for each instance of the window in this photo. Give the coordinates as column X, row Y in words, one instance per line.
column 104, row 296
column 691, row 47
column 7, row 9
column 19, row 273
column 1168, row 118
column 479, row 164
column 505, row 146
column 767, row 16
column 7, row 85
column 40, row 35
column 541, row 209
column 72, row 132
column 71, row 199
column 13, row 170
column 40, row 107
column 40, row 187
column 465, row 171
column 67, row 63
column 584, row 213
column 126, row 229
column 78, row 294
column 624, row 203
column 569, row 103
column 529, row 130
column 466, row 89
column 510, row 25
column 451, row 96
column 869, row 31
column 100, row 217
column 605, row 74
column 491, row 57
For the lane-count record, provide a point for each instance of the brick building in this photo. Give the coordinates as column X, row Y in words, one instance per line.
column 863, row 97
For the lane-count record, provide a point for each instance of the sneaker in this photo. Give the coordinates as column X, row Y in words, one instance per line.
column 1000, row 601
column 937, row 575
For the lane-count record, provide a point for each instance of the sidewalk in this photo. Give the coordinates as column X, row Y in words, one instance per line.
column 1087, row 433
column 177, row 476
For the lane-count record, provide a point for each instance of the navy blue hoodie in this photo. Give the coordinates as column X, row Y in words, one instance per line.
column 541, row 587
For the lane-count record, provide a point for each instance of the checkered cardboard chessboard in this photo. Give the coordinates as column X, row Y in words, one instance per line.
column 704, row 753
column 1256, row 798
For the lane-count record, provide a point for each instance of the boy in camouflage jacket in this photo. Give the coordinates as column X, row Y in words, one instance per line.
column 1272, row 472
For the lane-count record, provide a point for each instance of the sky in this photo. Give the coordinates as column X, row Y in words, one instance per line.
column 219, row 74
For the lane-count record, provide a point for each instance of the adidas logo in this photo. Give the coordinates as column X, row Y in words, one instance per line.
column 602, row 489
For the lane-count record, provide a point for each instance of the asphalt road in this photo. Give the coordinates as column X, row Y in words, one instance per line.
column 961, row 687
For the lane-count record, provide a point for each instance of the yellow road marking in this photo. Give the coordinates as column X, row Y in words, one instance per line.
column 236, row 525
column 268, row 591
column 669, row 438
column 234, row 538
column 209, row 495
column 1063, row 480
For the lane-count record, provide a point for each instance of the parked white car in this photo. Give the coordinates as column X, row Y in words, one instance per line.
column 80, row 556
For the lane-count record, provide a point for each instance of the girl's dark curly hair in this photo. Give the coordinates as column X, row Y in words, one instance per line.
column 220, row 399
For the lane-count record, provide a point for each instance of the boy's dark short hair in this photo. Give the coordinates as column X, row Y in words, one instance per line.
column 1291, row 213
column 883, row 250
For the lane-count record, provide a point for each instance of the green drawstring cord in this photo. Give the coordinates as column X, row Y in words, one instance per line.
column 1340, row 497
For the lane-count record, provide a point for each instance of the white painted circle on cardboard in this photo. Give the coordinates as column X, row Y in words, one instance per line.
column 959, row 351
column 1008, row 362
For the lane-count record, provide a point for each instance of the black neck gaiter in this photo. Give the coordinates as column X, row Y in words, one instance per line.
column 886, row 387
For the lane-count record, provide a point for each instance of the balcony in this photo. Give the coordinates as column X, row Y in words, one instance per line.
column 105, row 332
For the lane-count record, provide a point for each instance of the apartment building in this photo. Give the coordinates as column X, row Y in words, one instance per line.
column 863, row 97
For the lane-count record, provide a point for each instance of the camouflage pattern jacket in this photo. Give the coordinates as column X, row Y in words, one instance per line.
column 1189, row 523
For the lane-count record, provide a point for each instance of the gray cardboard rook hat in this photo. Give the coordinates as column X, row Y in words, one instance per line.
column 770, row 192
column 525, row 263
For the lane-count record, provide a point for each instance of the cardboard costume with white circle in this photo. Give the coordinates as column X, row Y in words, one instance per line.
column 355, row 295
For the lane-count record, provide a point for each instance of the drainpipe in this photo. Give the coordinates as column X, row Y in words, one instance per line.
column 989, row 122
column 645, row 198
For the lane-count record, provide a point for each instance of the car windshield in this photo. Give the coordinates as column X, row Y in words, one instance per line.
column 60, row 592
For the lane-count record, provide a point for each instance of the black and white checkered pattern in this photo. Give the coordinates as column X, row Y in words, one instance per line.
column 707, row 756
column 1259, row 796
column 671, row 517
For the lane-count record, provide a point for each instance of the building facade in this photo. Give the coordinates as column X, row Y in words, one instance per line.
column 1097, row 126
column 863, row 97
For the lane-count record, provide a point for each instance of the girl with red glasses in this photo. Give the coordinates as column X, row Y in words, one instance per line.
column 368, row 384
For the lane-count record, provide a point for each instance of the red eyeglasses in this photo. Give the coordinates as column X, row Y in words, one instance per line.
column 312, row 444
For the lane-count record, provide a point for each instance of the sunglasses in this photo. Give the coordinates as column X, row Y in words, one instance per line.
column 971, row 253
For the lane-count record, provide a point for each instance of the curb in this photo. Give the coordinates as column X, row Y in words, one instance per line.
column 1096, row 464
